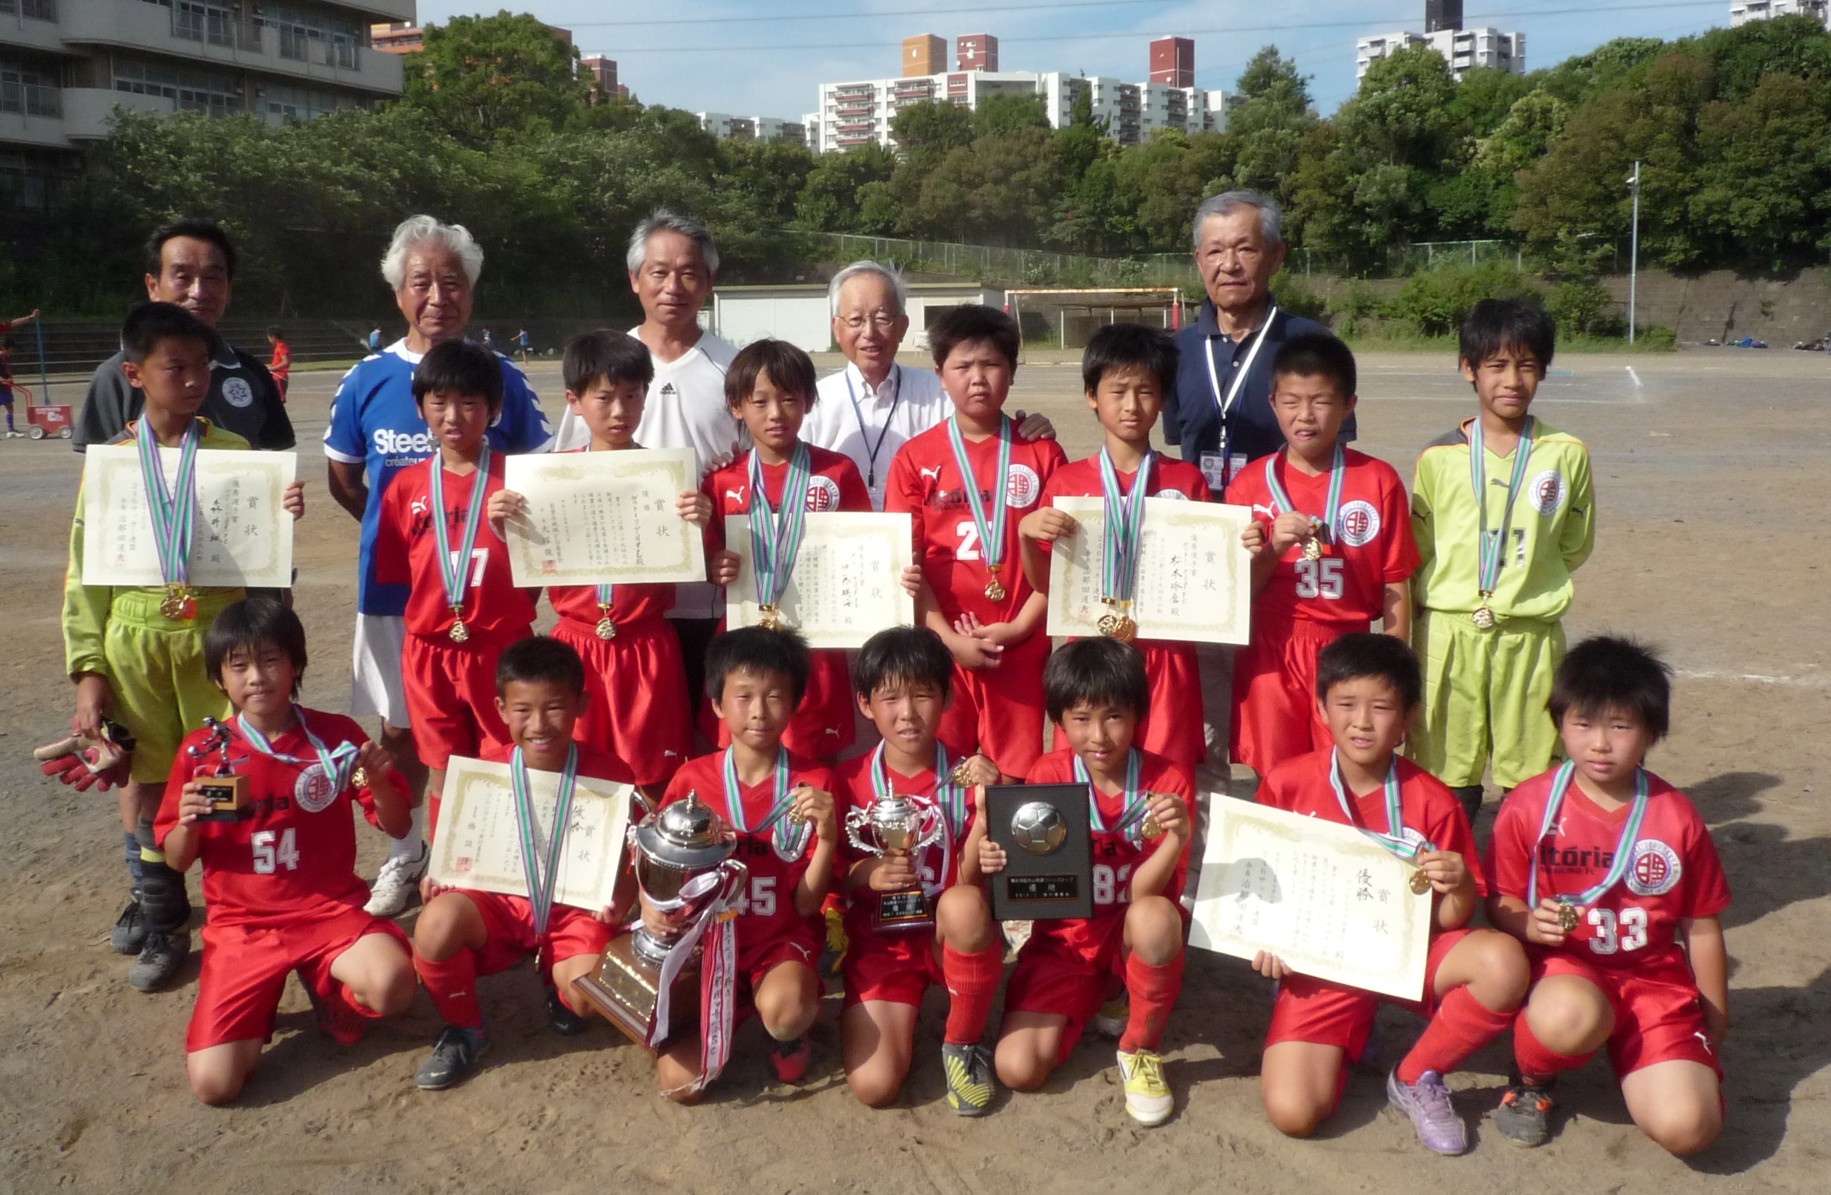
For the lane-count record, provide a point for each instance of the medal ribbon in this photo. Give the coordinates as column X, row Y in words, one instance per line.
column 453, row 568
column 605, row 592
column 1124, row 527
column 173, row 511
column 991, row 532
column 1133, row 809
column 1337, row 474
column 541, row 875
column 1492, row 546
column 1393, row 839
column 337, row 762
column 1624, row 844
column 789, row 841
column 775, row 535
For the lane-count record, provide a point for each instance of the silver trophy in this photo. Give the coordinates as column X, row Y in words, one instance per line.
column 898, row 825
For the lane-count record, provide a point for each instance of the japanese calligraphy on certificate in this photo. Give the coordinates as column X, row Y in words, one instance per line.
column 847, row 584
column 243, row 535
column 1317, row 894
column 597, row 518
column 478, row 845
column 1194, row 576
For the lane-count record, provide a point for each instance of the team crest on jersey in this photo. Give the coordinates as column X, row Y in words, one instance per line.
column 1358, row 523
column 822, row 493
column 1177, row 495
column 1022, row 487
column 313, row 791
column 237, row 392
column 1654, row 870
column 1547, row 492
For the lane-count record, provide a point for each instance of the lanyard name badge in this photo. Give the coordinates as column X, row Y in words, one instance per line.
column 1321, row 530
column 1218, row 467
column 1394, row 839
column 454, row 565
column 1570, row 902
column 1491, row 547
column 895, row 381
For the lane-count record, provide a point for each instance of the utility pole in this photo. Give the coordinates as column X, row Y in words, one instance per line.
column 1633, row 248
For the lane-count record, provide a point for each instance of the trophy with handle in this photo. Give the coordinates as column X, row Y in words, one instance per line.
column 897, row 824
column 226, row 791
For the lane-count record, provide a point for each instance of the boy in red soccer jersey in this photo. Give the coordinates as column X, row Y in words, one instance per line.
column 1332, row 552
column 463, row 933
column 1126, row 370
column 432, row 534
column 1097, row 692
column 768, row 389
column 281, row 364
column 960, row 483
column 280, row 876
column 636, row 706
column 1367, row 687
column 781, row 806
column 901, row 682
column 1609, row 876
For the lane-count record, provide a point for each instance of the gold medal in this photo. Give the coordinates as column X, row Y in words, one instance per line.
column 994, row 592
column 957, row 775
column 459, row 633
column 606, row 629
column 1150, row 829
column 1420, row 883
column 1568, row 918
column 359, row 779
column 173, row 605
column 1483, row 618
column 769, row 617
column 1312, row 548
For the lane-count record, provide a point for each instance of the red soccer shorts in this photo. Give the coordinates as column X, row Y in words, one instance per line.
column 1659, row 1016
column 509, row 923
column 451, row 695
column 245, row 968
column 1274, row 695
column 1173, row 724
column 1330, row 1014
column 801, row 945
column 1000, row 710
column 1071, row 979
column 877, row 968
column 636, row 705
column 823, row 726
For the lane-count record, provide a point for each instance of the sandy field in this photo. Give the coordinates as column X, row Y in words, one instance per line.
column 1711, row 474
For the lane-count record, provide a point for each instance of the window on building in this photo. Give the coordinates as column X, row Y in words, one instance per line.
column 191, row 90
column 24, row 183
column 277, row 103
column 29, row 92
column 313, row 34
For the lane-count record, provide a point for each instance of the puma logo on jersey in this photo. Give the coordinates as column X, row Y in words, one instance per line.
column 933, row 474
column 422, row 505
column 737, row 495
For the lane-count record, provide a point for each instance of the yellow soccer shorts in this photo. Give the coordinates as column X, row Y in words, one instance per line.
column 156, row 674
column 1484, row 698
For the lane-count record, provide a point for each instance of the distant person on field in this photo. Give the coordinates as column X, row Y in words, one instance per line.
column 524, row 345
column 281, row 364
column 375, row 339
column 7, row 386
column 7, row 325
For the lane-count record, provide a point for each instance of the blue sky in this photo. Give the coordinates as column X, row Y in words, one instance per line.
column 767, row 58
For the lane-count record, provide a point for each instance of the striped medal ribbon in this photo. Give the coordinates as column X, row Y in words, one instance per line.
column 775, row 535
column 1491, row 546
column 1624, row 844
column 1319, row 528
column 991, row 531
column 454, row 565
column 788, row 835
column 339, row 762
column 173, row 512
column 1394, row 838
column 541, row 871
column 1119, row 546
column 1134, row 813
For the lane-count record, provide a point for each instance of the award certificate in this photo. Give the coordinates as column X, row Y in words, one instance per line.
column 597, row 518
column 847, row 584
column 1194, row 575
column 1317, row 894
column 478, row 845
column 243, row 535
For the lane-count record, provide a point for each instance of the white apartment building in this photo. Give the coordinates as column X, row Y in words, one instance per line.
column 1741, row 12
column 1463, row 49
column 723, row 125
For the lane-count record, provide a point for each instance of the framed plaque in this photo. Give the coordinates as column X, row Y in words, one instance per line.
column 1048, row 873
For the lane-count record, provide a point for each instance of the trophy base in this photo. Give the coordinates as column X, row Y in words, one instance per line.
column 903, row 912
column 626, row 987
column 228, row 797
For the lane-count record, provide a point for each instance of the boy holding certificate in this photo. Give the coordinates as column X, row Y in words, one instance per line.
column 781, row 806
column 901, row 683
column 432, row 535
column 1367, row 689
column 769, row 388
column 1141, row 808
column 1609, row 876
column 279, row 874
column 1126, row 371
column 959, row 483
column 136, row 652
column 1332, row 551
column 463, row 933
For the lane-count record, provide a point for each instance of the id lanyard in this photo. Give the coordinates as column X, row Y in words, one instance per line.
column 1226, row 402
column 864, row 433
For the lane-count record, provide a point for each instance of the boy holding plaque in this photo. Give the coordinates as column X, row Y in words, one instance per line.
column 1609, row 876
column 1126, row 370
column 1332, row 551
column 901, row 680
column 1367, row 689
column 463, row 933
column 433, row 535
column 1503, row 512
column 768, row 389
column 279, row 874
column 781, row 806
column 960, row 483
column 1141, row 808
column 136, row 652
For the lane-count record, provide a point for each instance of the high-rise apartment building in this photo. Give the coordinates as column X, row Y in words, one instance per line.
column 1741, row 12
column 924, row 54
column 976, row 52
column 601, row 72
column 1173, row 61
column 1463, row 49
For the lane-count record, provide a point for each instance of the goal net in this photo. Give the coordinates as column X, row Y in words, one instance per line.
column 1065, row 318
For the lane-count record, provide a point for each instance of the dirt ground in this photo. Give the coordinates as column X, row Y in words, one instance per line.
column 1712, row 482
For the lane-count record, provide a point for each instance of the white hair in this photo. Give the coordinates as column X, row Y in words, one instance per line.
column 859, row 269
column 668, row 220
column 1271, row 217
column 421, row 230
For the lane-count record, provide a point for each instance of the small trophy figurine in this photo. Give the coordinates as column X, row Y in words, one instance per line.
column 895, row 824
column 226, row 791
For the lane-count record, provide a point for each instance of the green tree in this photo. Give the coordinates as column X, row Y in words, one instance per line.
column 1267, row 129
column 838, row 193
column 483, row 78
column 999, row 114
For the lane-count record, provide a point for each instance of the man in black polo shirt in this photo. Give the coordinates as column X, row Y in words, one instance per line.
column 191, row 262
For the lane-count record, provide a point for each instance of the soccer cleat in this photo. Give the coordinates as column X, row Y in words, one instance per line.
column 833, row 953
column 1524, row 1115
column 1427, row 1102
column 1110, row 1020
column 129, row 933
column 968, row 1069
column 337, row 1018
column 397, row 884
column 1147, row 1096
column 790, row 1059
column 454, row 1056
column 1016, row 933
column 562, row 1020
column 159, row 961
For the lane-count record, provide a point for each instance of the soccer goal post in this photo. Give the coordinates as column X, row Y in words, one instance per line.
column 1066, row 317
